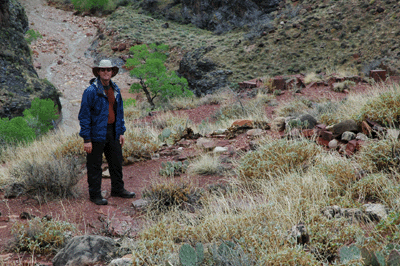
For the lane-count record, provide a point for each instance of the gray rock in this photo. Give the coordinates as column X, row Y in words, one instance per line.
column 376, row 212
column 361, row 136
column 121, row 262
column 347, row 136
column 203, row 75
column 331, row 212
column 340, row 128
column 393, row 134
column 333, row 144
column 85, row 250
column 220, row 150
column 308, row 121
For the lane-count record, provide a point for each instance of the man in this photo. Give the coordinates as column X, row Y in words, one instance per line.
column 101, row 118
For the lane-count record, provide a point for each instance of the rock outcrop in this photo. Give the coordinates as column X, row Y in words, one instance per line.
column 19, row 82
column 203, row 75
column 215, row 15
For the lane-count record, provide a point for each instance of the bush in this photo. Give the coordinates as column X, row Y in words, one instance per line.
column 169, row 195
column 32, row 35
column 87, row 5
column 277, row 158
column 48, row 179
column 155, row 80
column 384, row 108
column 45, row 112
column 139, row 144
column 40, row 236
column 15, row 130
column 205, row 165
column 36, row 121
column 382, row 155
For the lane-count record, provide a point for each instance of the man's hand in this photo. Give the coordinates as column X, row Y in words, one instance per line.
column 87, row 147
column 121, row 140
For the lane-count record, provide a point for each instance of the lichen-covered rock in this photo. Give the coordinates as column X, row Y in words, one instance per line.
column 19, row 82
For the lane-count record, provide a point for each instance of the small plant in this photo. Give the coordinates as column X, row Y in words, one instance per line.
column 32, row 35
column 189, row 256
column 47, row 179
column 173, row 168
column 345, row 85
column 228, row 253
column 168, row 195
column 129, row 102
column 205, row 165
column 41, row 236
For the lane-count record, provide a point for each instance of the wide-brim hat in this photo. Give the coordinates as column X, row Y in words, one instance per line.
column 105, row 63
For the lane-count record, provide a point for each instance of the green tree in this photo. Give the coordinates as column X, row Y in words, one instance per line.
column 154, row 78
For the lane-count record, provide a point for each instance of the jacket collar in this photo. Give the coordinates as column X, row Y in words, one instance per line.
column 100, row 89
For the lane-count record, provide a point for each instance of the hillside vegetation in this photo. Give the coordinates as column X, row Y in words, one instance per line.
column 288, row 201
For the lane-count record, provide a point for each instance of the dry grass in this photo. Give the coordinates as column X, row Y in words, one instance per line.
column 206, row 164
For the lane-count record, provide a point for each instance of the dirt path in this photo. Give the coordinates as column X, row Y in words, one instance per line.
column 59, row 56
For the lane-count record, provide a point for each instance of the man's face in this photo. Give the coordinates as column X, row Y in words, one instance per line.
column 105, row 73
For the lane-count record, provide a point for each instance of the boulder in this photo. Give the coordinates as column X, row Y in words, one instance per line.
column 375, row 212
column 85, row 250
column 19, row 82
column 308, row 121
column 348, row 136
column 216, row 15
column 203, row 75
column 340, row 128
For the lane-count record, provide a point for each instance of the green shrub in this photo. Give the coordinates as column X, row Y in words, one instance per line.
column 384, row 108
column 15, row 130
column 86, row 5
column 40, row 236
column 172, row 169
column 48, row 179
column 45, row 112
column 382, row 155
column 36, row 121
column 277, row 158
column 32, row 35
column 155, row 80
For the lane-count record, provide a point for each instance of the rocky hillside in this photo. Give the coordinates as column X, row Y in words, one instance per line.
column 243, row 40
column 19, row 82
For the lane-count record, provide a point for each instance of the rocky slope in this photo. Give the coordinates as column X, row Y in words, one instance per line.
column 297, row 37
column 19, row 82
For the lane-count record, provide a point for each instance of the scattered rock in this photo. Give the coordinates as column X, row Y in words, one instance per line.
column 340, row 128
column 376, row 212
column 348, row 136
column 85, row 250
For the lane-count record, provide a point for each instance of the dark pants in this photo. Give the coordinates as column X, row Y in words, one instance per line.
column 113, row 152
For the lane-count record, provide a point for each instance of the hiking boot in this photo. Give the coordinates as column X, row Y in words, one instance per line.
column 123, row 194
column 99, row 201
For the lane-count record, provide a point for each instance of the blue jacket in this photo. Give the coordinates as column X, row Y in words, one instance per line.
column 93, row 115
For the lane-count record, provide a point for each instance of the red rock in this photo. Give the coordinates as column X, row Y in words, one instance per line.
column 279, row 83
column 223, row 143
column 326, row 135
column 378, row 75
column 114, row 48
column 323, row 142
column 121, row 47
column 243, row 122
column 308, row 133
column 351, row 147
column 89, row 34
column 366, row 129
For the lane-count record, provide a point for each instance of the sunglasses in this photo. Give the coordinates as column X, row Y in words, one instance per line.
column 106, row 69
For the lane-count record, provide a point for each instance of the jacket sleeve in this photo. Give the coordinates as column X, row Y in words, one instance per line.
column 85, row 115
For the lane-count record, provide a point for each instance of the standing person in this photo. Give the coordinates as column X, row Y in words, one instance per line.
column 101, row 118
